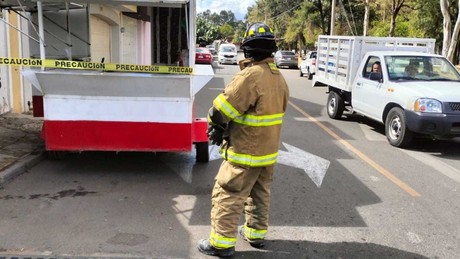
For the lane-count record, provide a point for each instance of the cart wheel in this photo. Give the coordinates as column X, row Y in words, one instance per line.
column 55, row 155
column 202, row 152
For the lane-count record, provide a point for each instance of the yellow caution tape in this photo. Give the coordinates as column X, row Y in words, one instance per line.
column 67, row 64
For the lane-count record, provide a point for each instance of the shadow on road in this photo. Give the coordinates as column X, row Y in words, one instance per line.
column 304, row 249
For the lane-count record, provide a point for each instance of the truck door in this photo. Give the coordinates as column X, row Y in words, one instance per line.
column 369, row 90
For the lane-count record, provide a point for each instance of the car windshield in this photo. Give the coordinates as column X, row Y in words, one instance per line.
column 420, row 68
column 287, row 53
column 228, row 49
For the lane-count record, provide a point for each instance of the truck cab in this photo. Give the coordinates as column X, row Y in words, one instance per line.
column 414, row 93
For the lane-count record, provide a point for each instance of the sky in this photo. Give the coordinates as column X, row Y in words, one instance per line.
column 238, row 7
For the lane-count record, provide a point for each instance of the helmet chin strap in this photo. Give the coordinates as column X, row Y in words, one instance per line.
column 246, row 53
column 256, row 55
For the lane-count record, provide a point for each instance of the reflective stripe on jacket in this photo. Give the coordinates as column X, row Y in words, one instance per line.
column 254, row 103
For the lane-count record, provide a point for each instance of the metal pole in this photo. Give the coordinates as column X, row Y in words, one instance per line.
column 41, row 31
column 69, row 36
column 17, row 29
column 332, row 17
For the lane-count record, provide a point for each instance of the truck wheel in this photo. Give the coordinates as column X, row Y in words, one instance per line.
column 202, row 152
column 335, row 105
column 309, row 74
column 396, row 128
column 301, row 74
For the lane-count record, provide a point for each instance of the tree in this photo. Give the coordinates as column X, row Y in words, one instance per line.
column 213, row 26
column 239, row 32
column 227, row 32
column 366, row 17
column 450, row 38
column 206, row 32
column 396, row 6
column 295, row 23
column 300, row 26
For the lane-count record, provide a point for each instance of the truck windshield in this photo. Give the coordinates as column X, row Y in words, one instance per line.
column 421, row 68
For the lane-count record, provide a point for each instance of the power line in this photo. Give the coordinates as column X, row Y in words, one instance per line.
column 275, row 17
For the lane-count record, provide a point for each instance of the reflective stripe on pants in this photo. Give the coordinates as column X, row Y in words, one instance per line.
column 237, row 189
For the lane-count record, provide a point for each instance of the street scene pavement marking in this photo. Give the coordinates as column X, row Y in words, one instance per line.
column 423, row 157
column 371, row 135
column 314, row 166
column 361, row 155
column 436, row 164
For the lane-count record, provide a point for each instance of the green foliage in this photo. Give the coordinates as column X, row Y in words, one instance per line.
column 206, row 32
column 227, row 32
column 239, row 32
column 379, row 29
column 297, row 23
column 213, row 26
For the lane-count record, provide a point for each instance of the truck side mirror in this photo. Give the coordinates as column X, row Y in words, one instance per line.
column 375, row 76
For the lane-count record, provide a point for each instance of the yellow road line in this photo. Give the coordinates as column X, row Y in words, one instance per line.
column 361, row 155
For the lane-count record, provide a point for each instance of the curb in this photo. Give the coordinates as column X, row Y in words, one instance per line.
column 19, row 167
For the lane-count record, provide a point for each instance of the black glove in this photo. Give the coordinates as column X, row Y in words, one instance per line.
column 216, row 134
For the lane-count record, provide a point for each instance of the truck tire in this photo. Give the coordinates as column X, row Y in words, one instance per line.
column 335, row 105
column 396, row 128
column 202, row 152
column 301, row 74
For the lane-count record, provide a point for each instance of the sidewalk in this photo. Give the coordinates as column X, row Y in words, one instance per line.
column 20, row 144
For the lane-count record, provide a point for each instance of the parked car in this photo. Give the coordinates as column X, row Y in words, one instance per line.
column 308, row 65
column 211, row 48
column 285, row 58
column 203, row 56
column 227, row 54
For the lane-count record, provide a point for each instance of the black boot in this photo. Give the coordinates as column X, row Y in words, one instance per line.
column 206, row 248
column 256, row 243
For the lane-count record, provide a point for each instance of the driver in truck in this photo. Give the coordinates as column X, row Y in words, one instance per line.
column 376, row 67
column 411, row 70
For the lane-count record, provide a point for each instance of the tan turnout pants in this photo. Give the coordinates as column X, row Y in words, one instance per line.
column 237, row 188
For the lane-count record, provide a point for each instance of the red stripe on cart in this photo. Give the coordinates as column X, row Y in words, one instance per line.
column 117, row 136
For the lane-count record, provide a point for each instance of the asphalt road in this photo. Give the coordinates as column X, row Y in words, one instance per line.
column 375, row 201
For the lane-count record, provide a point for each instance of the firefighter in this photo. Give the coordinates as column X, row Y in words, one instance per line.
column 245, row 121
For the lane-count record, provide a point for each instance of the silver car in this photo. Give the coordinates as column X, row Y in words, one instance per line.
column 285, row 58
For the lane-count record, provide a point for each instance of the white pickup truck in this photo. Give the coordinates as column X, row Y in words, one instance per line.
column 416, row 92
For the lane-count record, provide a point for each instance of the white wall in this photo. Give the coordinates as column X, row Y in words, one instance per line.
column 144, row 46
column 129, row 41
column 4, row 70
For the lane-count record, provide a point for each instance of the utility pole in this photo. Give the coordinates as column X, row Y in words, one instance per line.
column 332, row 17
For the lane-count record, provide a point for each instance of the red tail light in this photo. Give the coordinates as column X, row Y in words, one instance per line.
column 313, row 62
